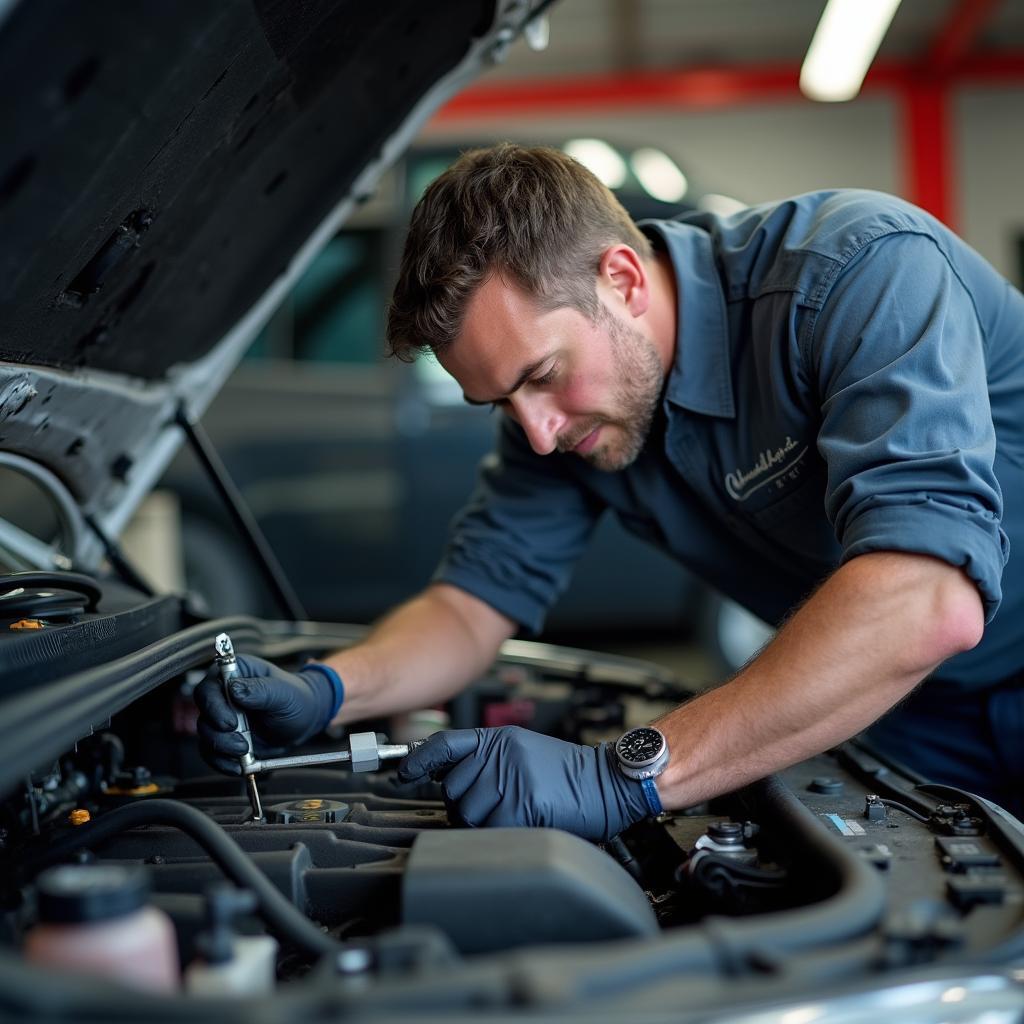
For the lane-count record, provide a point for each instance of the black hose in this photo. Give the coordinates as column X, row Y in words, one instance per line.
column 43, row 721
column 283, row 919
column 897, row 806
column 855, row 907
column 710, row 868
column 617, row 847
column 75, row 582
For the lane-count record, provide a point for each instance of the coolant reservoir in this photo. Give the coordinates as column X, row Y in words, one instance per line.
column 230, row 964
column 94, row 919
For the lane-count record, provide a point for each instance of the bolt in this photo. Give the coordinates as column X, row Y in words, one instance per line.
column 727, row 833
column 826, row 785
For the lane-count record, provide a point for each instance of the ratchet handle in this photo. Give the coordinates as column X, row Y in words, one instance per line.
column 229, row 671
column 242, row 728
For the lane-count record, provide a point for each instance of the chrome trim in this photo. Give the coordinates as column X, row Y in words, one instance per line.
column 993, row 997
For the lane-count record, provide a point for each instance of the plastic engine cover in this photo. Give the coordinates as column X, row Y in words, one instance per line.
column 504, row 887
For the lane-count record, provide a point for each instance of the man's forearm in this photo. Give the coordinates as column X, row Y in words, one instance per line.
column 862, row 642
column 420, row 654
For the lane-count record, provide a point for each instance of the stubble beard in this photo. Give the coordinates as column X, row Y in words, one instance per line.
column 641, row 379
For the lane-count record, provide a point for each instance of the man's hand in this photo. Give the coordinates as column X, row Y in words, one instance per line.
column 510, row 776
column 283, row 708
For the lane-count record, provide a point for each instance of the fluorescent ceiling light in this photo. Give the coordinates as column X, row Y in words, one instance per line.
column 659, row 174
column 600, row 159
column 844, row 45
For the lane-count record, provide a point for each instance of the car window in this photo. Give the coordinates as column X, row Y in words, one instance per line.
column 335, row 311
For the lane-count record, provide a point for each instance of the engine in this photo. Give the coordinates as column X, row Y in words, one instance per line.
column 841, row 868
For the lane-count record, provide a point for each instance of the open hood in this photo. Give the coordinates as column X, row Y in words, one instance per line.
column 168, row 171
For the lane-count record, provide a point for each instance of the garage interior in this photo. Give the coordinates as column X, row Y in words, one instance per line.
column 206, row 456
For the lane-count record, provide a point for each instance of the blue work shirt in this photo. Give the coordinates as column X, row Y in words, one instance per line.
column 848, row 377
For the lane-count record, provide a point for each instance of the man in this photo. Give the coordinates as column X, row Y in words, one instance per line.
column 813, row 404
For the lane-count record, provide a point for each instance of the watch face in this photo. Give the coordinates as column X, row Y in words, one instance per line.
column 640, row 746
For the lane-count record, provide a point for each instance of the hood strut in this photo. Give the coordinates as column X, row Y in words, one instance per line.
column 242, row 517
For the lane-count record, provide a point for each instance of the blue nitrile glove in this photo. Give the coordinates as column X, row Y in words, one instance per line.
column 511, row 776
column 283, row 708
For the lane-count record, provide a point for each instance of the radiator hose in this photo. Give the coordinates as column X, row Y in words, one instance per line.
column 282, row 918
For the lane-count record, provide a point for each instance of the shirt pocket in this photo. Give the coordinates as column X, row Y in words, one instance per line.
column 795, row 521
column 804, row 498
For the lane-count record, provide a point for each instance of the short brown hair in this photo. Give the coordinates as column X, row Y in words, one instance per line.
column 532, row 214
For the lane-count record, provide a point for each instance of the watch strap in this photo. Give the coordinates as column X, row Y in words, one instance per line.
column 652, row 797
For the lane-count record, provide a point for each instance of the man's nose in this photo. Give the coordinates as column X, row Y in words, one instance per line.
column 540, row 420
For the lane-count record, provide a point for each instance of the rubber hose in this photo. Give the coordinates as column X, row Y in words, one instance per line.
column 76, row 582
column 288, row 923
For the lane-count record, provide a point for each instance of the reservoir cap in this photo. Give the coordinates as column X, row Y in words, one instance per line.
column 79, row 893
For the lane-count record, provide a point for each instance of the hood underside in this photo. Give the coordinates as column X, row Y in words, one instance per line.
column 168, row 171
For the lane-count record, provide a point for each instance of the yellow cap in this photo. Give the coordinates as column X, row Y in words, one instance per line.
column 79, row 816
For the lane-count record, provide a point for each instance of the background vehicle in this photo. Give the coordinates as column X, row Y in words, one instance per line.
column 353, row 464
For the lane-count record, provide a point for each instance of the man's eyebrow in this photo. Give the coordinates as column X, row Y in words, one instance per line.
column 523, row 377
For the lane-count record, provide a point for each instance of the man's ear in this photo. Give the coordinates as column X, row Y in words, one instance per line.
column 623, row 272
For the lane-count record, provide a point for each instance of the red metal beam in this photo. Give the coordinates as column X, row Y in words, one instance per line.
column 995, row 68
column 695, row 89
column 698, row 88
column 956, row 38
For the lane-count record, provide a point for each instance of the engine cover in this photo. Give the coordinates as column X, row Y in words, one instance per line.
column 505, row 887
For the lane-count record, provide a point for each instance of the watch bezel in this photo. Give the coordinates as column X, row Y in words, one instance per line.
column 649, row 767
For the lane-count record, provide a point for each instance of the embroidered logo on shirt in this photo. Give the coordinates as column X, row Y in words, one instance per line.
column 771, row 465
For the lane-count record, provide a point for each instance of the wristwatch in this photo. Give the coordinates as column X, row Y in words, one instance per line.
column 642, row 755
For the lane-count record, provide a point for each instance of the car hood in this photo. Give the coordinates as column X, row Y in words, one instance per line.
column 168, row 172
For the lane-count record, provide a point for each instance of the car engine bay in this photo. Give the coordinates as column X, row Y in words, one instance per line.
column 174, row 169
column 841, row 869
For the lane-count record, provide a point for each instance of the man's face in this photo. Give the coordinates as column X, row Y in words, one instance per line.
column 572, row 384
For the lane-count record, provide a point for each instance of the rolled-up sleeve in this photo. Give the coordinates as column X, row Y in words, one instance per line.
column 898, row 355
column 515, row 542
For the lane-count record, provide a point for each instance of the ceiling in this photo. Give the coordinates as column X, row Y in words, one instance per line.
column 594, row 37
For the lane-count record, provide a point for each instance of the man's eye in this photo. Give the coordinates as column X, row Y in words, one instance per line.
column 547, row 378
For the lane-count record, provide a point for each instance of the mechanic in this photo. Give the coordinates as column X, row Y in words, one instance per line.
column 813, row 404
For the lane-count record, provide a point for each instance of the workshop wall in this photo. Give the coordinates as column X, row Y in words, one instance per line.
column 751, row 153
column 767, row 151
column 990, row 166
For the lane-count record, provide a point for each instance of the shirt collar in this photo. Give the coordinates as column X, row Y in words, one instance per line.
column 700, row 378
